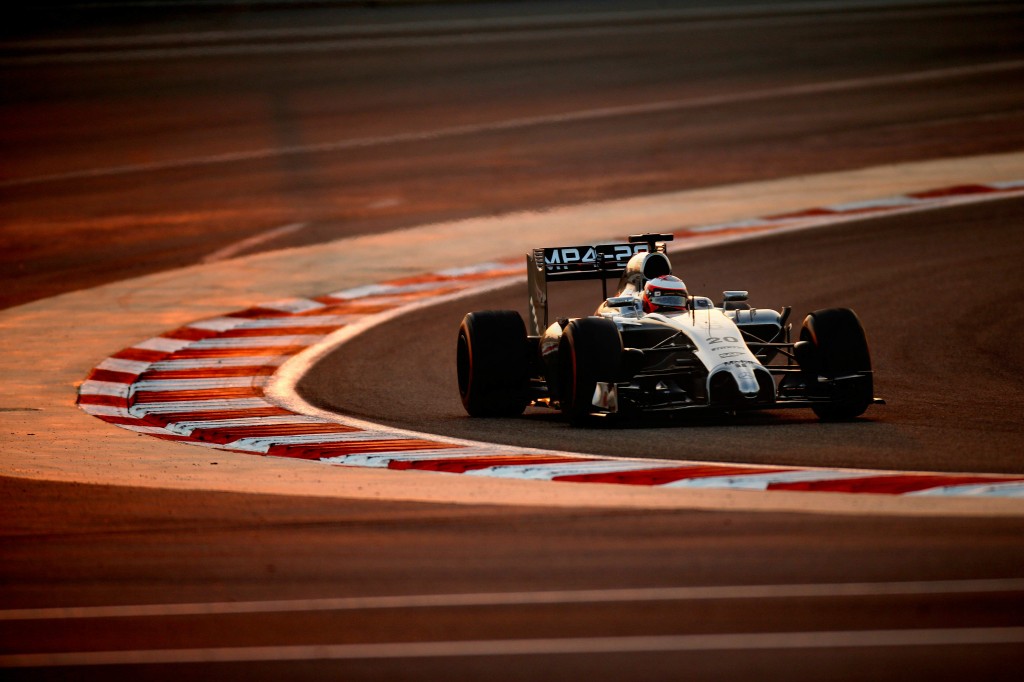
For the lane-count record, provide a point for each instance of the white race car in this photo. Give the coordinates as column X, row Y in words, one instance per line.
column 653, row 347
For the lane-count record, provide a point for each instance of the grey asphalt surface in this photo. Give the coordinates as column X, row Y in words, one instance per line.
column 77, row 545
column 934, row 291
column 169, row 119
column 197, row 131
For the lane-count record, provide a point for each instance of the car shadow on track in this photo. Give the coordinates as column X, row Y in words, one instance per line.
column 687, row 420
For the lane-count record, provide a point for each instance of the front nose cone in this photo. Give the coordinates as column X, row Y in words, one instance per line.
column 746, row 382
column 738, row 385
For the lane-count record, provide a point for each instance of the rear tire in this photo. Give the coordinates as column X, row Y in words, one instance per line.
column 590, row 351
column 492, row 363
column 837, row 348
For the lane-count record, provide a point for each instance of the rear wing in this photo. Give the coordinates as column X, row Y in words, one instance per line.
column 570, row 263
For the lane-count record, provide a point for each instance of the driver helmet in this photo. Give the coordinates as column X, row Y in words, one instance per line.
column 664, row 295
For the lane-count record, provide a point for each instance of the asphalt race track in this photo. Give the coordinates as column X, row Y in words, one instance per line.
column 164, row 547
column 193, row 134
column 931, row 288
column 149, row 136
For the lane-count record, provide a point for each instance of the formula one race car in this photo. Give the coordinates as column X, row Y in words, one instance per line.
column 654, row 347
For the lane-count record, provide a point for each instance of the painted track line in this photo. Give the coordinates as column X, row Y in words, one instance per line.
column 232, row 250
column 476, row 24
column 454, row 33
column 558, row 597
column 235, row 371
column 746, row 641
column 579, row 116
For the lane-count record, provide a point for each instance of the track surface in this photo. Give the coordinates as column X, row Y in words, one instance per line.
column 281, row 102
column 931, row 289
column 71, row 545
column 126, row 547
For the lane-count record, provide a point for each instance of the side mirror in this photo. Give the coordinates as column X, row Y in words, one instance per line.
column 731, row 296
column 621, row 301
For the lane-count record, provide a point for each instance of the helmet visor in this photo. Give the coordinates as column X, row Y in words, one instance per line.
column 667, row 300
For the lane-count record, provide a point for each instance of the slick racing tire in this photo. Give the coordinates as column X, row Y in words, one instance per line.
column 590, row 351
column 492, row 363
column 836, row 363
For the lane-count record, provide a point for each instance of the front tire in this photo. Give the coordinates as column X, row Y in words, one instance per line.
column 492, row 363
column 590, row 351
column 836, row 363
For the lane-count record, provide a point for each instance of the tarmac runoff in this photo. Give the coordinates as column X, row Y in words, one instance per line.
column 48, row 347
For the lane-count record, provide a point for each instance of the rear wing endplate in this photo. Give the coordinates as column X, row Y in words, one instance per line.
column 570, row 263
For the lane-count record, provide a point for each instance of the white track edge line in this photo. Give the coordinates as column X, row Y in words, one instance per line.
column 472, row 599
column 740, row 641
